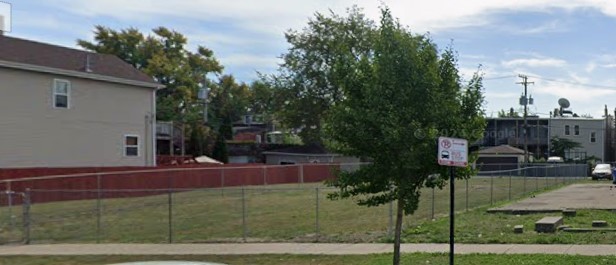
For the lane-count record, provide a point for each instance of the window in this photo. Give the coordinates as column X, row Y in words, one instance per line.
column 61, row 93
column 593, row 137
column 131, row 145
column 567, row 132
column 576, row 130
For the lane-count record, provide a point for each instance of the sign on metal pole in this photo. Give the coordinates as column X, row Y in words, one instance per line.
column 452, row 152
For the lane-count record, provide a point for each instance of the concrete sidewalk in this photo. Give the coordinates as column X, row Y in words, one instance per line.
column 292, row 248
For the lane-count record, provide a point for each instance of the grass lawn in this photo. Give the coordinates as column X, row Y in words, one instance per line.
column 477, row 226
column 321, row 259
column 290, row 212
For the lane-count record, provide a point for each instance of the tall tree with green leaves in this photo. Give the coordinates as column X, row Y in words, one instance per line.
column 164, row 56
column 397, row 99
column 314, row 68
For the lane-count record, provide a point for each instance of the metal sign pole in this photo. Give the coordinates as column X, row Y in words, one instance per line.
column 451, row 213
column 452, row 152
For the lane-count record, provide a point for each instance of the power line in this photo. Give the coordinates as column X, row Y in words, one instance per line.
column 500, row 77
column 572, row 83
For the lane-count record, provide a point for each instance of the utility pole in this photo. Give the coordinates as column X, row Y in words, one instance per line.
column 524, row 100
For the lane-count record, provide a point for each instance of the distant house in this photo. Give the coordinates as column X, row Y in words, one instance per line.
column 591, row 134
column 502, row 157
column 595, row 135
column 65, row 107
column 305, row 154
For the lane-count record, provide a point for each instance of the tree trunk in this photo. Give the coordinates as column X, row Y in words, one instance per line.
column 398, row 232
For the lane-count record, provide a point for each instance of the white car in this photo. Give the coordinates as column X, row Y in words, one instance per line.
column 602, row 171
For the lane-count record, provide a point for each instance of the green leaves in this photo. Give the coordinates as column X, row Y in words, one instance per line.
column 317, row 67
column 163, row 56
column 560, row 146
column 402, row 96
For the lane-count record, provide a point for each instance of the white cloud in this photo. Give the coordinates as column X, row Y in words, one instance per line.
column 275, row 16
column 580, row 94
column 548, row 27
column 590, row 67
column 250, row 60
column 534, row 62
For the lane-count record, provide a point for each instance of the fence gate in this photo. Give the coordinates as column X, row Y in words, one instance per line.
column 14, row 208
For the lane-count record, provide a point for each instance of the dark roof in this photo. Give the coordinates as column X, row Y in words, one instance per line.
column 303, row 149
column 501, row 150
column 52, row 56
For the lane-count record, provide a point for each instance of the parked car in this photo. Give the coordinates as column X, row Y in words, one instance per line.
column 602, row 171
column 555, row 159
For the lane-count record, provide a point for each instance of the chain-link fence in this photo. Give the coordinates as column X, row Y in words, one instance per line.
column 298, row 212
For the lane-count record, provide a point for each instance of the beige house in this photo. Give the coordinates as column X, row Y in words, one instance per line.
column 63, row 107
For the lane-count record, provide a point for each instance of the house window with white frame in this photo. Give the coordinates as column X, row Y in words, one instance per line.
column 61, row 93
column 593, row 137
column 576, row 130
column 131, row 145
column 567, row 130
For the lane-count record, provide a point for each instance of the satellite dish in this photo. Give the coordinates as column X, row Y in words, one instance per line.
column 564, row 103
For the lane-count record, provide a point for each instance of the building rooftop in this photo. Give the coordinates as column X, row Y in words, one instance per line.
column 39, row 54
column 502, row 150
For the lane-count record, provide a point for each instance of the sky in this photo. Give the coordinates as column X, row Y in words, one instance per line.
column 567, row 48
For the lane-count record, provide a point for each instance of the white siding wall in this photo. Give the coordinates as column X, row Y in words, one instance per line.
column 586, row 126
column 90, row 133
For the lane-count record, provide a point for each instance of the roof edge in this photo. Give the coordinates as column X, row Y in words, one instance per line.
column 300, row 154
column 50, row 70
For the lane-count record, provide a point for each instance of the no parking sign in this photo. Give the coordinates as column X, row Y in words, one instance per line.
column 452, row 152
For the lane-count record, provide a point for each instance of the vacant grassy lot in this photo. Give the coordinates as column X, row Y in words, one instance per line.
column 477, row 226
column 291, row 212
column 384, row 259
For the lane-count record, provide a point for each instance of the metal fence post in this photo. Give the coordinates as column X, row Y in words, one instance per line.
column 537, row 181
column 170, row 218
column 9, row 197
column 98, row 208
column 546, row 177
column 491, row 190
column 301, row 173
column 264, row 175
column 390, row 227
column 244, row 230
column 524, row 188
column 510, row 173
column 317, row 214
column 467, row 195
column 222, row 182
column 26, row 216
column 433, row 195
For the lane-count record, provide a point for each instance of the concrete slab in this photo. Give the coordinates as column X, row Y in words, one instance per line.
column 577, row 196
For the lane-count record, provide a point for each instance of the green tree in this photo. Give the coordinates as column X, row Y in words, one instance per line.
column 164, row 56
column 220, row 152
column 230, row 102
column 318, row 61
column 508, row 114
column 399, row 98
column 560, row 146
